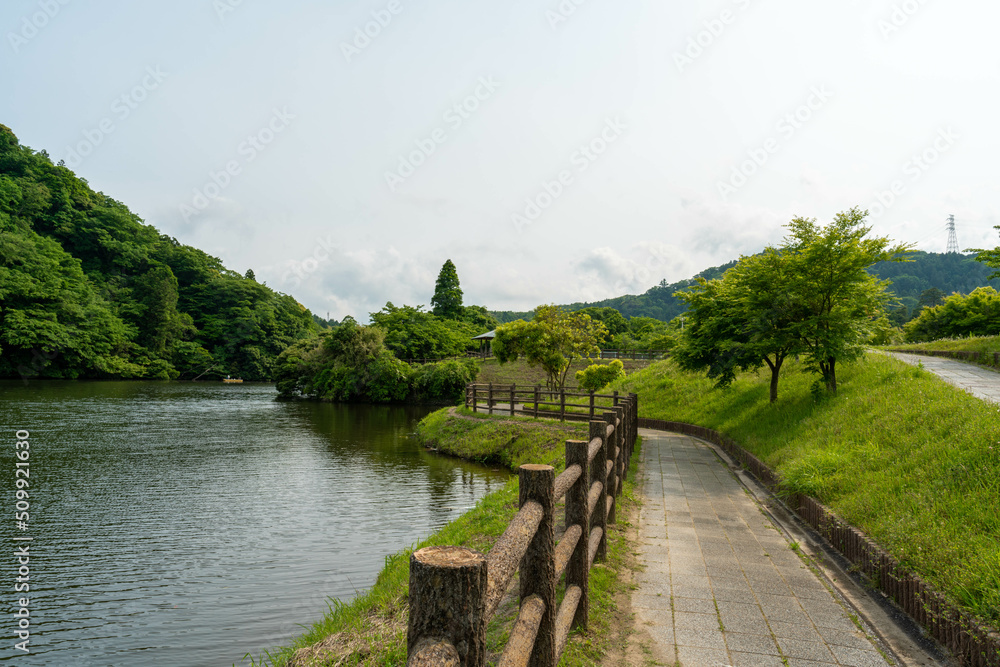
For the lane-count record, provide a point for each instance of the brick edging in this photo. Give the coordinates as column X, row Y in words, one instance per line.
column 971, row 641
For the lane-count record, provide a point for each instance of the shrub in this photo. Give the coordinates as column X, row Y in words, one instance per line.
column 598, row 376
column 445, row 380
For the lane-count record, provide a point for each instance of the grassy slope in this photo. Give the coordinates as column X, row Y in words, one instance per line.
column 518, row 372
column 371, row 630
column 909, row 459
column 982, row 344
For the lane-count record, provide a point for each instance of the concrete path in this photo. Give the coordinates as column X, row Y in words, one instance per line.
column 981, row 382
column 722, row 586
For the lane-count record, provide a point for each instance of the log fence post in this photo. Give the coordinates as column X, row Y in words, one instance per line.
column 610, row 487
column 490, row 398
column 538, row 568
column 512, row 399
column 538, row 388
column 562, row 405
column 598, row 429
column 447, row 607
column 591, row 403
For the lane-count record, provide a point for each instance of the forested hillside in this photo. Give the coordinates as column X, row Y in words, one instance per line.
column 947, row 272
column 88, row 290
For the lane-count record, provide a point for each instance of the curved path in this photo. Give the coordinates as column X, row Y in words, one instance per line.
column 979, row 381
column 722, row 583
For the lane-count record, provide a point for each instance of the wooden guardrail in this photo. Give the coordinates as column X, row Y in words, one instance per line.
column 535, row 401
column 455, row 591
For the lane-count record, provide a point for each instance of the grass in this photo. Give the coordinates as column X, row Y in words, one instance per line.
column 905, row 457
column 371, row 629
column 984, row 345
column 520, row 373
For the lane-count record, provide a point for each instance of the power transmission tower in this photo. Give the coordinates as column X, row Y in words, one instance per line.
column 952, row 239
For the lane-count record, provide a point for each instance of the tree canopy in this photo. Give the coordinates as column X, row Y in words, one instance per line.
column 810, row 296
column 88, row 290
column 553, row 339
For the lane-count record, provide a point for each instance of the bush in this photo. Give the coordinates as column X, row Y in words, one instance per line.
column 445, row 380
column 598, row 376
column 977, row 314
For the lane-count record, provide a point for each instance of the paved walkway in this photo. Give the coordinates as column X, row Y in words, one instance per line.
column 981, row 382
column 722, row 585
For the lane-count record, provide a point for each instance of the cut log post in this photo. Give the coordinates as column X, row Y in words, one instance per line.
column 512, row 387
column 490, row 398
column 447, row 603
column 538, row 567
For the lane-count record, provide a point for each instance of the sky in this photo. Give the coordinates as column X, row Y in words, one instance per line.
column 556, row 151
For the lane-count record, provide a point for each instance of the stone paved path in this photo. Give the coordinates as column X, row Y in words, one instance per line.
column 980, row 382
column 721, row 585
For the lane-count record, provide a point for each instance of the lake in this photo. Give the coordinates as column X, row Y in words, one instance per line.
column 185, row 524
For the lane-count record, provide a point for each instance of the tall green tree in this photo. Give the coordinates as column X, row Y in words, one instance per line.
column 742, row 321
column 840, row 303
column 553, row 339
column 447, row 299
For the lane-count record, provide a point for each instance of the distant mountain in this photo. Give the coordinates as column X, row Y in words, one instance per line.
column 948, row 272
column 87, row 290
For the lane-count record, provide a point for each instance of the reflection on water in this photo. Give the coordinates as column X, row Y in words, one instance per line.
column 185, row 524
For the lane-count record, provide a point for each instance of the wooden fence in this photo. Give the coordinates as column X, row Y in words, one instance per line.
column 494, row 398
column 632, row 354
column 973, row 643
column 455, row 591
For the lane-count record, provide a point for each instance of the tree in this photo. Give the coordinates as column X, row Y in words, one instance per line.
column 553, row 339
column 839, row 301
column 412, row 333
column 447, row 299
column 741, row 321
column 931, row 297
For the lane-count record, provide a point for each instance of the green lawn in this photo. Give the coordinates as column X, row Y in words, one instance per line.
column 905, row 457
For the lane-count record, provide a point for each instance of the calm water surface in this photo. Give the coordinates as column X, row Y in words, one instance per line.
column 186, row 524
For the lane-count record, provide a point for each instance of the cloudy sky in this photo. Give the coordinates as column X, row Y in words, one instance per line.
column 555, row 150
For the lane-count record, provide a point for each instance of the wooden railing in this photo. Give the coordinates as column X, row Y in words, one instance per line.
column 632, row 354
column 455, row 591
column 537, row 402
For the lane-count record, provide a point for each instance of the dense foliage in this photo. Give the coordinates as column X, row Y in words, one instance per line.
column 811, row 296
column 599, row 376
column 88, row 290
column 553, row 339
column 352, row 363
column 977, row 314
column 412, row 333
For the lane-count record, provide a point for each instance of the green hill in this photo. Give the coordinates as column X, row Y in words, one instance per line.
column 87, row 290
column 948, row 272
